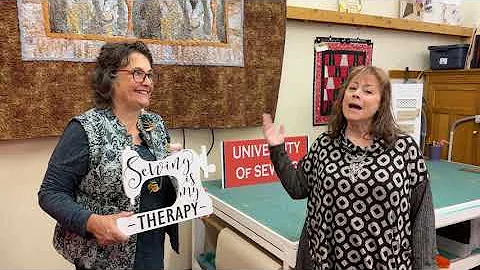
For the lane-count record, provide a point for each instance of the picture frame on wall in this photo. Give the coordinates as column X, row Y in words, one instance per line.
column 350, row 6
column 412, row 9
column 333, row 59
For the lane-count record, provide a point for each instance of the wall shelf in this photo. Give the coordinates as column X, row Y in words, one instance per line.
column 401, row 74
column 329, row 16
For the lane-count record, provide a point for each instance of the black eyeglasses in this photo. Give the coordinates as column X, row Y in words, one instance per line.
column 140, row 75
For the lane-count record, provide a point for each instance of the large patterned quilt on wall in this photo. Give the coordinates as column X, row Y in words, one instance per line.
column 38, row 98
column 183, row 32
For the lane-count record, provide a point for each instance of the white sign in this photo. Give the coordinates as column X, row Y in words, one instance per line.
column 192, row 200
column 407, row 107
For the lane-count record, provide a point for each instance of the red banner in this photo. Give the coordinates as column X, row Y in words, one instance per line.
column 247, row 162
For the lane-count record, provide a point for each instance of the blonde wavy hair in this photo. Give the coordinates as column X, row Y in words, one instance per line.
column 383, row 124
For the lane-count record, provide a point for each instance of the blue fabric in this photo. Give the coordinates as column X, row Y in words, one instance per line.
column 66, row 168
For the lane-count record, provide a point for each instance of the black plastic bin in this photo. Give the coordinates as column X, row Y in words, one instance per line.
column 448, row 57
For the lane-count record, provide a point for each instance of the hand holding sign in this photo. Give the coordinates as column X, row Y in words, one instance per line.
column 105, row 229
column 272, row 136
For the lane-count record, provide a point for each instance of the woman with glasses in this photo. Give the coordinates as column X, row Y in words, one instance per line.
column 82, row 188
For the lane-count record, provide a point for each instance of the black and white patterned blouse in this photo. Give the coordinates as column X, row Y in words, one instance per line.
column 368, row 208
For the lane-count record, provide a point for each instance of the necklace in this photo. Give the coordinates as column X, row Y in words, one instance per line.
column 356, row 164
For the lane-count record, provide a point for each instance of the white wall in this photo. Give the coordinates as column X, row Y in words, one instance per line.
column 390, row 8
column 25, row 241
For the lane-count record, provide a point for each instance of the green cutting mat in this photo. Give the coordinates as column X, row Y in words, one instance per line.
column 270, row 205
column 452, row 184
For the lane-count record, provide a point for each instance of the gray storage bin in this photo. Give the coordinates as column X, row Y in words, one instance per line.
column 448, row 56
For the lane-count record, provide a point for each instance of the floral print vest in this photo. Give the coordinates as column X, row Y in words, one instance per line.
column 101, row 190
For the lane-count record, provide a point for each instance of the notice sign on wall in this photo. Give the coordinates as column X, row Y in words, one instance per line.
column 247, row 162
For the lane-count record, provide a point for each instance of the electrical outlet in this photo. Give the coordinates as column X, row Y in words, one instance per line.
column 477, row 118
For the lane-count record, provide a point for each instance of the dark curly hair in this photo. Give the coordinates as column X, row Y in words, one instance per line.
column 383, row 124
column 112, row 57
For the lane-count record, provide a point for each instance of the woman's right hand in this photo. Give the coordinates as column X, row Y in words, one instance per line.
column 270, row 132
column 105, row 230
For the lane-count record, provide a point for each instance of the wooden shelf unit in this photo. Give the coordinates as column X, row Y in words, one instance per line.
column 402, row 74
column 329, row 16
column 451, row 95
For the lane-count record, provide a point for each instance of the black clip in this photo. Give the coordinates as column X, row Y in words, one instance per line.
column 405, row 75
